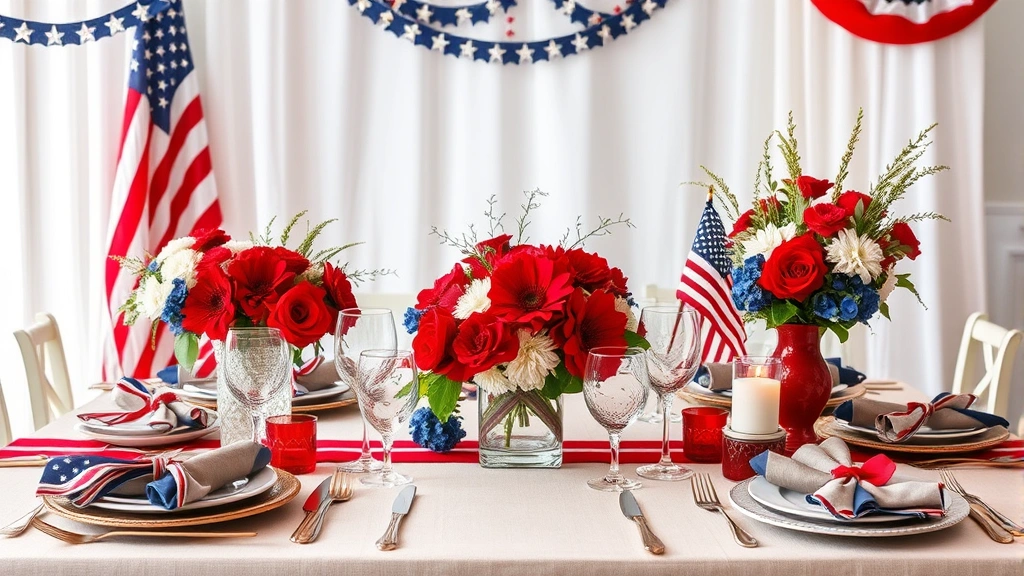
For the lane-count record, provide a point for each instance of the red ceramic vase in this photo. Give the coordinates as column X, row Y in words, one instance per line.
column 806, row 382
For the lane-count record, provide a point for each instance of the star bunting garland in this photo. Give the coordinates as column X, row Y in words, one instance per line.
column 50, row 34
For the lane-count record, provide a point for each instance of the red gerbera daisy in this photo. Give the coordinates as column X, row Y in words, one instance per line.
column 528, row 289
column 208, row 308
column 590, row 322
column 446, row 291
column 260, row 277
column 339, row 291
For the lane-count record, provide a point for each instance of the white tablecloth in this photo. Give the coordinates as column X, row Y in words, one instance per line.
column 471, row 521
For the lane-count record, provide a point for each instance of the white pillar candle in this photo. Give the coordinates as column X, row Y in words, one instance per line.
column 755, row 405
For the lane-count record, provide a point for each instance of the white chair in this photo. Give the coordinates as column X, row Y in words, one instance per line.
column 40, row 344
column 999, row 350
column 5, row 422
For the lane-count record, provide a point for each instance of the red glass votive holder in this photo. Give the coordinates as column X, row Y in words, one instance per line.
column 738, row 448
column 702, row 433
column 292, row 442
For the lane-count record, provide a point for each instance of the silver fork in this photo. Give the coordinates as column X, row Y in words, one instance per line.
column 704, row 496
column 21, row 524
column 1012, row 527
column 76, row 538
column 340, row 491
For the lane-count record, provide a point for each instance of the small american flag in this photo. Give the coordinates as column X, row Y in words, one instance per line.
column 706, row 286
column 83, row 479
column 164, row 186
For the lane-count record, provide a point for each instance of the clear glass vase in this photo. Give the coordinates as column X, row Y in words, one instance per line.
column 520, row 429
column 234, row 418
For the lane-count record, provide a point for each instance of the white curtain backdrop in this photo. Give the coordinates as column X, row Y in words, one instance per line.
column 310, row 106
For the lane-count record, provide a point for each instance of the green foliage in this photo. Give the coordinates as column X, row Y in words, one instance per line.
column 883, row 309
column 844, row 164
column 634, row 340
column 903, row 281
column 560, row 381
column 442, row 394
column 186, row 349
column 286, row 233
column 780, row 312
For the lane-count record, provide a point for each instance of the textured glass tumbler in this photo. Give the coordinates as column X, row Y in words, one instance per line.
column 702, row 433
column 292, row 442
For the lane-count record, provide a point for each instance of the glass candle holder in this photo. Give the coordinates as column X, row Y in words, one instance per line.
column 292, row 442
column 702, row 433
column 738, row 448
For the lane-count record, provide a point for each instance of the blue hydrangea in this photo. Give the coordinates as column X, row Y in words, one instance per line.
column 430, row 433
column 153, row 266
column 838, row 283
column 869, row 301
column 848, row 309
column 746, row 293
column 412, row 320
column 630, row 300
column 172, row 306
column 825, row 307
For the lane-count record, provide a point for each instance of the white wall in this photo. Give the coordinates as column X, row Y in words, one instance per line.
column 1004, row 102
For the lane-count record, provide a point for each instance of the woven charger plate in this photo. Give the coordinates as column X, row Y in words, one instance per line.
column 282, row 492
column 827, row 426
column 719, row 401
column 347, row 399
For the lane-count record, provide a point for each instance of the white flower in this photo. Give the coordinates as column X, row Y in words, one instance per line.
column 855, row 255
column 237, row 246
column 175, row 246
column 621, row 305
column 314, row 274
column 493, row 381
column 767, row 239
column 474, row 299
column 153, row 295
column 181, row 264
column 535, row 361
column 887, row 287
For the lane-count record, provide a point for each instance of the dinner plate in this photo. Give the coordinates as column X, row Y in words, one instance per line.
column 316, row 396
column 794, row 503
column 743, row 502
column 696, row 394
column 922, row 432
column 728, row 393
column 257, row 484
column 146, row 441
column 828, row 426
column 127, row 429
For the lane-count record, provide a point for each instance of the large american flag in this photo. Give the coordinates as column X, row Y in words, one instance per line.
column 163, row 186
column 706, row 286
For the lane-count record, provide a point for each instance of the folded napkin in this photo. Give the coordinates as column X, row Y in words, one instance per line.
column 846, row 375
column 163, row 480
column 160, row 409
column 316, row 374
column 895, row 422
column 827, row 475
column 717, row 376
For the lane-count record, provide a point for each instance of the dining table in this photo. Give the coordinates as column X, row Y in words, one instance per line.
column 471, row 521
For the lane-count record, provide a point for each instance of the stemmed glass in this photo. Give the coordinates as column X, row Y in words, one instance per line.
column 257, row 367
column 361, row 329
column 655, row 416
column 388, row 389
column 672, row 360
column 615, row 388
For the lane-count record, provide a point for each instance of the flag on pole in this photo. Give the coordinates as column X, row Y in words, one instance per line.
column 163, row 186
column 706, row 286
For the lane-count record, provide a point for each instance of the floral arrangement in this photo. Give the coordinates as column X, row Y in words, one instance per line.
column 207, row 283
column 517, row 320
column 803, row 255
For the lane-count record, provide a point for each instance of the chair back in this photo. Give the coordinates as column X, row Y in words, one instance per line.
column 40, row 344
column 998, row 348
column 5, row 422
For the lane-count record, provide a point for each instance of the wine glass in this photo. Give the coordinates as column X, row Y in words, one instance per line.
column 672, row 360
column 615, row 388
column 258, row 367
column 655, row 416
column 388, row 388
column 361, row 329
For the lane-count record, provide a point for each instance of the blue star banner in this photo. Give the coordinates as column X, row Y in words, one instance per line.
column 52, row 34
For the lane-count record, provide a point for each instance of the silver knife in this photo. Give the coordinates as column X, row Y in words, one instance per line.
column 389, row 541
column 313, row 501
column 632, row 511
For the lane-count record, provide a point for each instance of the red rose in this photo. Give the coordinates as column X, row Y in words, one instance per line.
column 206, row 239
column 590, row 322
column 528, row 289
column 215, row 257
column 795, row 269
column 446, row 291
column 617, row 284
column 208, row 307
column 434, row 338
column 297, row 263
column 743, row 223
column 811, row 188
column 301, row 315
column 848, row 201
column 826, row 219
column 904, row 236
column 339, row 291
column 260, row 277
column 588, row 271
column 483, row 342
column 492, row 251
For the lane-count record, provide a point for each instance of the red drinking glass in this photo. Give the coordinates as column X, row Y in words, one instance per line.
column 292, row 442
column 702, row 433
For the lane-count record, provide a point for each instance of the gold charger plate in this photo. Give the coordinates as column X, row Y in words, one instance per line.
column 299, row 409
column 719, row 401
column 827, row 426
column 282, row 492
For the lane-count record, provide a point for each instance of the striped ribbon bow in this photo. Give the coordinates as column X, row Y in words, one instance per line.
column 897, row 426
column 83, row 479
column 164, row 410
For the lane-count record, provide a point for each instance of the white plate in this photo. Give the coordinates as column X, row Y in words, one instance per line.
column 693, row 386
column 923, row 432
column 127, row 429
column 314, row 397
column 200, row 391
column 795, row 503
column 148, row 441
column 258, row 483
column 956, row 510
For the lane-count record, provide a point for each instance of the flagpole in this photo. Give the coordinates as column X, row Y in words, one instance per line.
column 679, row 313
